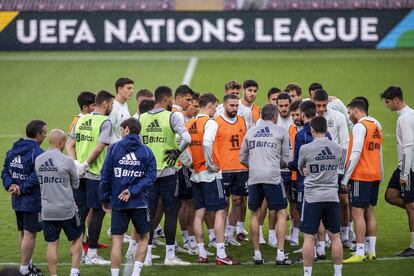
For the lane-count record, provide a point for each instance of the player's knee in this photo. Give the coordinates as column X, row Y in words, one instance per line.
column 236, row 201
column 390, row 196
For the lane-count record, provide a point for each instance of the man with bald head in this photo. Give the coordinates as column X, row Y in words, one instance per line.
column 57, row 177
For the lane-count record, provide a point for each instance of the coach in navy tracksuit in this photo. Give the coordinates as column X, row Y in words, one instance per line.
column 19, row 178
column 129, row 170
column 304, row 136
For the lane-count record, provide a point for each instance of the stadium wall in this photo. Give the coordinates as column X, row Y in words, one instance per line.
column 382, row 29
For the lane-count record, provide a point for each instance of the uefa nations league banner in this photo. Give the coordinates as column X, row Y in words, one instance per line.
column 382, row 29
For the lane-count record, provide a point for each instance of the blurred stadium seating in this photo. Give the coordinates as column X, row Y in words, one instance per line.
column 182, row 5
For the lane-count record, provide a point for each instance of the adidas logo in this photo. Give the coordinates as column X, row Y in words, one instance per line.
column 48, row 166
column 264, row 132
column 86, row 125
column 17, row 162
column 154, row 127
column 377, row 134
column 129, row 159
column 193, row 129
column 325, row 154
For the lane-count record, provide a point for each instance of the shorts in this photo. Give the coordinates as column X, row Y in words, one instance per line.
column 165, row 188
column 235, row 183
column 72, row 228
column 313, row 213
column 29, row 221
column 299, row 201
column 286, row 178
column 184, row 184
column 209, row 195
column 292, row 191
column 140, row 218
column 92, row 194
column 406, row 191
column 341, row 191
column 363, row 193
column 275, row 196
column 79, row 194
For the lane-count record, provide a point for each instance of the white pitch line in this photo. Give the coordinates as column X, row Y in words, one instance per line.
column 384, row 259
column 90, row 58
column 189, row 72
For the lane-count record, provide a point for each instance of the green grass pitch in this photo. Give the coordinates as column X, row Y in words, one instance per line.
column 45, row 85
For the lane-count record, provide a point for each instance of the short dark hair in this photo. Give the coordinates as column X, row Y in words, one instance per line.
column 232, row 85
column 365, row 100
column 207, row 98
column 182, row 91
column 358, row 104
column 319, row 124
column 392, row 92
column 133, row 124
column 162, row 92
column 103, row 96
column 34, row 128
column 268, row 112
column 144, row 93
column 308, row 108
column 249, row 83
column 146, row 105
column 86, row 98
column 284, row 96
column 294, row 86
column 315, row 86
column 230, row 97
column 196, row 95
column 121, row 82
column 294, row 106
column 320, row 95
column 273, row 90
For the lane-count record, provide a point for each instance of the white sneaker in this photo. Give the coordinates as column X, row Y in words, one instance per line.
column 127, row 238
column 245, row 232
column 212, row 243
column 262, row 240
column 347, row 244
column 157, row 242
column 130, row 253
column 155, row 257
column 179, row 249
column 175, row 261
column 233, row 241
column 272, row 243
column 294, row 242
column 97, row 260
column 147, row 262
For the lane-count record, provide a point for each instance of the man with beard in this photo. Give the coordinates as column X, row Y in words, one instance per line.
column 247, row 108
column 232, row 87
column 87, row 146
column 206, row 180
column 292, row 193
column 229, row 137
column 363, row 176
column 159, row 127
